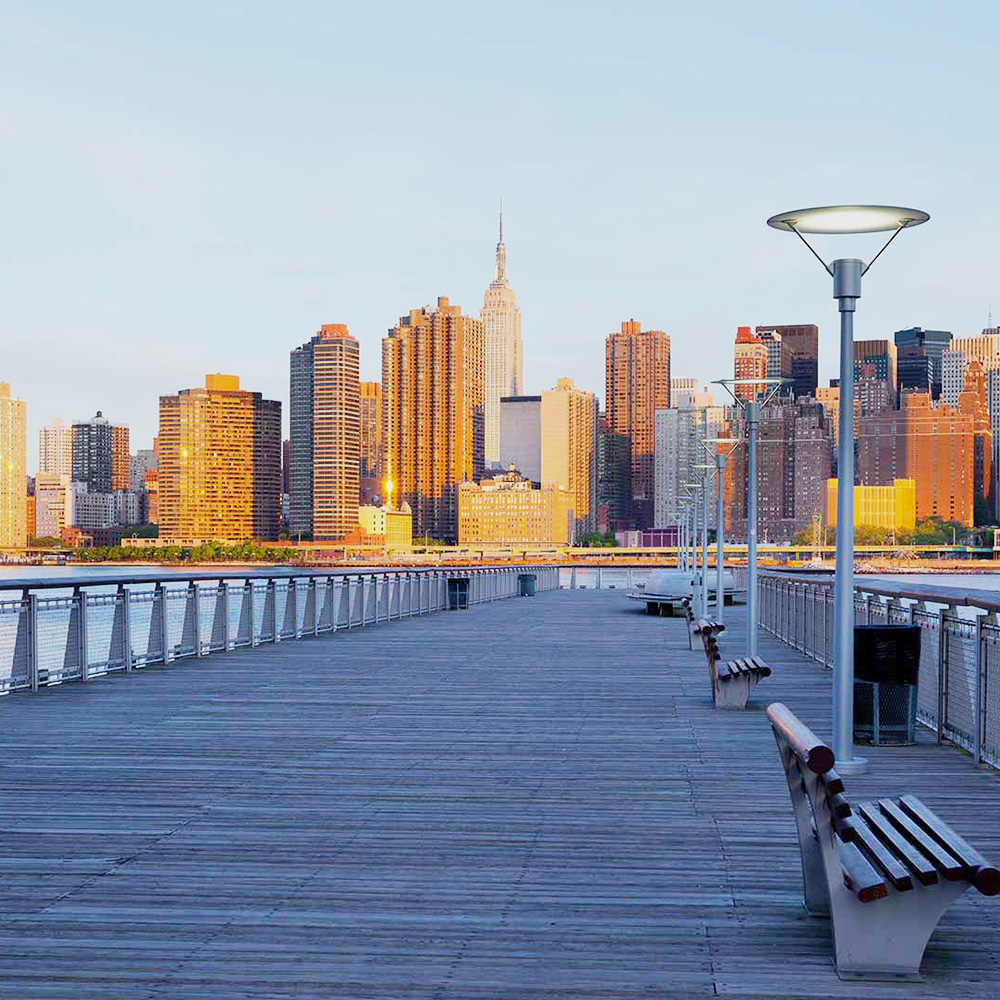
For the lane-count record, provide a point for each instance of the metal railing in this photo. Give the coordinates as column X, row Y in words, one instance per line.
column 100, row 625
column 958, row 695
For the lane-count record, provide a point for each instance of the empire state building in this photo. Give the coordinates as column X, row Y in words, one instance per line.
column 502, row 330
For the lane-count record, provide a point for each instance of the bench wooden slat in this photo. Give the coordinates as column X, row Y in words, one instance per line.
column 944, row 860
column 832, row 783
column 839, row 805
column 815, row 755
column 844, row 828
column 883, row 858
column 926, row 873
column 860, row 877
column 984, row 876
column 761, row 666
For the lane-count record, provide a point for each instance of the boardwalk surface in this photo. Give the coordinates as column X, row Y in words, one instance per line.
column 533, row 799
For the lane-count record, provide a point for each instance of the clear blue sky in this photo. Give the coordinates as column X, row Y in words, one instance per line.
column 193, row 187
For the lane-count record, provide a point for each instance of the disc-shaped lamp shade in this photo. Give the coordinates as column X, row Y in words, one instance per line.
column 848, row 219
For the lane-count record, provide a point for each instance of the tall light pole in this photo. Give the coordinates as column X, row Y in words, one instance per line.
column 706, row 474
column 846, row 274
column 690, row 489
column 716, row 448
column 752, row 394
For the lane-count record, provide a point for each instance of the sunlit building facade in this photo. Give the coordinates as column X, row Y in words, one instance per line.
column 219, row 463
column 120, row 475
column 637, row 383
column 13, row 470
column 504, row 375
column 371, row 440
column 325, row 425
column 55, row 449
column 510, row 510
column 893, row 507
column 433, row 374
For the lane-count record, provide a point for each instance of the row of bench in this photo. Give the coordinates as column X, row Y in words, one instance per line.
column 733, row 680
column 883, row 871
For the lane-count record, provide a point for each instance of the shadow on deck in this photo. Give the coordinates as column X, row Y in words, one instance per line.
column 534, row 799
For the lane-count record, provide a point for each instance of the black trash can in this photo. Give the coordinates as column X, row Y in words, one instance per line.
column 458, row 593
column 526, row 584
column 886, row 668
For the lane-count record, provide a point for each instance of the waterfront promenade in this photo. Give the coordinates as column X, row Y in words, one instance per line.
column 532, row 799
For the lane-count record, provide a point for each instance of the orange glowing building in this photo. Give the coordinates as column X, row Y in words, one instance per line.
column 433, row 418
column 219, row 476
column 120, row 479
column 637, row 383
column 371, row 440
column 749, row 361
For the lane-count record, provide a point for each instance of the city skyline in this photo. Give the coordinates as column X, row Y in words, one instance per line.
column 220, row 185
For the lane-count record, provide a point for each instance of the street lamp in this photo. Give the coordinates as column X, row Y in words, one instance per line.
column 691, row 489
column 763, row 391
column 712, row 446
column 706, row 474
column 846, row 274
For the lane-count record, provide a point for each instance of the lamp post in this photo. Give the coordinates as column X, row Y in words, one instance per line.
column 759, row 392
column 712, row 446
column 706, row 474
column 691, row 490
column 846, row 274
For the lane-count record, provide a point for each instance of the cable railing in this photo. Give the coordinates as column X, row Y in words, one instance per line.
column 62, row 630
column 958, row 693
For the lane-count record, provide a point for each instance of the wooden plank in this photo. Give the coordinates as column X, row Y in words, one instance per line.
column 881, row 856
column 859, row 876
column 943, row 860
column 978, row 870
column 913, row 859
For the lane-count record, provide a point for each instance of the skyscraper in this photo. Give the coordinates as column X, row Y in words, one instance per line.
column 521, row 435
column 55, row 449
column 569, row 447
column 219, row 463
column 13, row 470
column 875, row 375
column 371, row 440
column 119, row 458
column 918, row 359
column 325, row 426
column 794, row 461
column 802, row 343
column 501, row 321
column 985, row 349
column 53, row 505
column 637, row 373
column 92, row 447
column 750, row 360
column 679, row 433
column 433, row 375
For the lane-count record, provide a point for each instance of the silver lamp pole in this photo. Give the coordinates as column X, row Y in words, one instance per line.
column 706, row 471
column 846, row 274
column 691, row 490
column 712, row 446
column 763, row 391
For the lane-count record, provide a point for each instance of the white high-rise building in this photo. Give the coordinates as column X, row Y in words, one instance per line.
column 55, row 449
column 504, row 364
column 985, row 349
column 678, row 449
column 53, row 504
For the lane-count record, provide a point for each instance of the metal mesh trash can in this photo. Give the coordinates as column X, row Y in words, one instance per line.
column 458, row 593
column 526, row 584
column 886, row 666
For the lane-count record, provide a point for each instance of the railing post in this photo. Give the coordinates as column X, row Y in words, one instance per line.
column 195, row 615
column 313, row 595
column 251, row 611
column 942, row 712
column 30, row 611
column 80, row 596
column 124, row 595
column 161, row 594
column 977, row 754
column 223, row 599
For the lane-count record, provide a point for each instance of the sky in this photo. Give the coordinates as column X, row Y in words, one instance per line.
column 197, row 187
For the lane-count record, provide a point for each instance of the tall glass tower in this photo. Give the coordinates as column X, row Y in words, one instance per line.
column 504, row 365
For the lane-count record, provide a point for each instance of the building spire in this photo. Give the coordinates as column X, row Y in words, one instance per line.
column 500, row 271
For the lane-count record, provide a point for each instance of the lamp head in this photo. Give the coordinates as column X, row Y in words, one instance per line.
column 848, row 219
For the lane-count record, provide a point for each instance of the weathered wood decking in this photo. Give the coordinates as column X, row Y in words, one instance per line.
column 533, row 799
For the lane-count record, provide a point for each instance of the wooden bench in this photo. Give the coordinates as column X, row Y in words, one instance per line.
column 733, row 681
column 689, row 619
column 884, row 871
